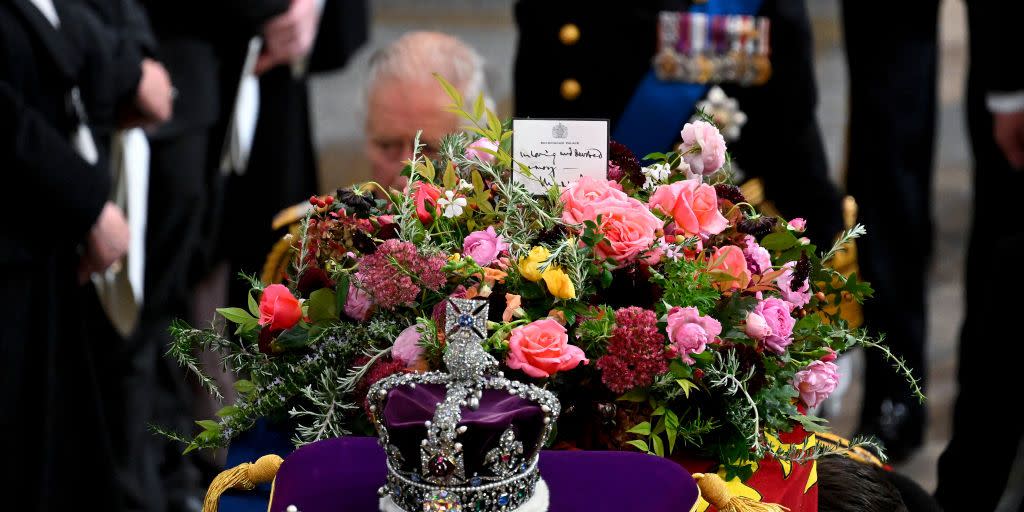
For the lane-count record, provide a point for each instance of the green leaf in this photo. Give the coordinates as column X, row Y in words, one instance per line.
column 643, row 429
column 659, row 411
column 246, row 326
column 209, row 425
column 639, row 444
column 478, row 182
column 654, row 156
column 659, row 427
column 478, row 106
column 810, row 423
column 323, row 305
column 293, row 338
column 236, row 315
column 659, row 446
column 450, row 179
column 341, row 293
column 229, row 410
column 254, row 307
column 244, row 387
column 779, row 241
column 687, row 386
column 634, row 395
column 450, row 89
column 494, row 125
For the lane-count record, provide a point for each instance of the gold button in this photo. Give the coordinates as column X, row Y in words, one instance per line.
column 569, row 34
column 570, row 89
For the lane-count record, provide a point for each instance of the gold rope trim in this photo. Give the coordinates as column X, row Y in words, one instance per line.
column 243, row 476
column 713, row 489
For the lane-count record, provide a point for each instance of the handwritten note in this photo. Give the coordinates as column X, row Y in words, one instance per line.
column 559, row 151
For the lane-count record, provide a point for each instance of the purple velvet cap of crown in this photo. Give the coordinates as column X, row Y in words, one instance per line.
column 408, row 408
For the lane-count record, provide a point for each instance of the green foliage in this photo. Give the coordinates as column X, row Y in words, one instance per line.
column 686, row 283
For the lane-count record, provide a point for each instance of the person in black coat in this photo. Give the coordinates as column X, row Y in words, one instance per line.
column 974, row 469
column 580, row 60
column 892, row 61
column 60, row 227
column 282, row 168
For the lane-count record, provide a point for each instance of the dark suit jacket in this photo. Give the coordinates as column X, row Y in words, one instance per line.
column 52, row 410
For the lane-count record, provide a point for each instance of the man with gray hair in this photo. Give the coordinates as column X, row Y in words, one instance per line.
column 402, row 97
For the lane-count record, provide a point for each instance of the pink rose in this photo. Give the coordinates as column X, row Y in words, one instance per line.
column 775, row 315
column 816, row 382
column 541, row 349
column 689, row 332
column 406, row 348
column 484, row 246
column 693, row 206
column 730, row 260
column 358, row 304
column 628, row 228
column 473, row 150
column 799, row 297
column 703, row 147
column 759, row 260
column 798, row 224
column 756, row 326
column 279, row 309
column 583, row 198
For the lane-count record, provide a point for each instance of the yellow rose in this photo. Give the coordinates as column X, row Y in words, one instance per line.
column 559, row 283
column 528, row 265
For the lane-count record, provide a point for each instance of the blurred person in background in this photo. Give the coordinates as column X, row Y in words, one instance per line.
column 204, row 46
column 57, row 71
column 402, row 96
column 281, row 168
column 892, row 62
column 974, row 469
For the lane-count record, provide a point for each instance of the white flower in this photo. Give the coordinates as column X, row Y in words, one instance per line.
column 452, row 205
column 670, row 251
column 465, row 186
column 656, row 174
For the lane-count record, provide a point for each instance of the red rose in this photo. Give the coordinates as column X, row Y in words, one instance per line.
column 425, row 195
column 279, row 308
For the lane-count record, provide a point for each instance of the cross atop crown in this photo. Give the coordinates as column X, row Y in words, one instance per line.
column 465, row 330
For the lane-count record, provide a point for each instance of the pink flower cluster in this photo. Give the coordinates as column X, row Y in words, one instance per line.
column 771, row 323
column 703, row 147
column 393, row 274
column 759, row 260
column 692, row 205
column 798, row 296
column 627, row 225
column 636, row 351
column 541, row 349
column 484, row 246
column 816, row 382
column 690, row 332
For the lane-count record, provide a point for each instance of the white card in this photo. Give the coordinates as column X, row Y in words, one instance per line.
column 559, row 151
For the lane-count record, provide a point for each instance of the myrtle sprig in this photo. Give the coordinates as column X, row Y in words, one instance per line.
column 846, row 237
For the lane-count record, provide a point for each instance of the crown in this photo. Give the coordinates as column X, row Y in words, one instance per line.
column 468, row 439
column 560, row 131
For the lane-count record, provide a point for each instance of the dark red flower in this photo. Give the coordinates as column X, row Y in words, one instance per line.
column 635, row 353
column 312, row 280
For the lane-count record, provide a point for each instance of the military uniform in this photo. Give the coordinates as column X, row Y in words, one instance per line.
column 579, row 59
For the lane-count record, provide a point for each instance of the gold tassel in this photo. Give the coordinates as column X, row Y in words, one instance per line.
column 713, row 489
column 243, row 476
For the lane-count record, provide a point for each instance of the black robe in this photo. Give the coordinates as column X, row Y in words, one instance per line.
column 56, row 449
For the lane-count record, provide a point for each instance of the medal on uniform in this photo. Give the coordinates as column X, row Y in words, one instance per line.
column 761, row 63
column 695, row 47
